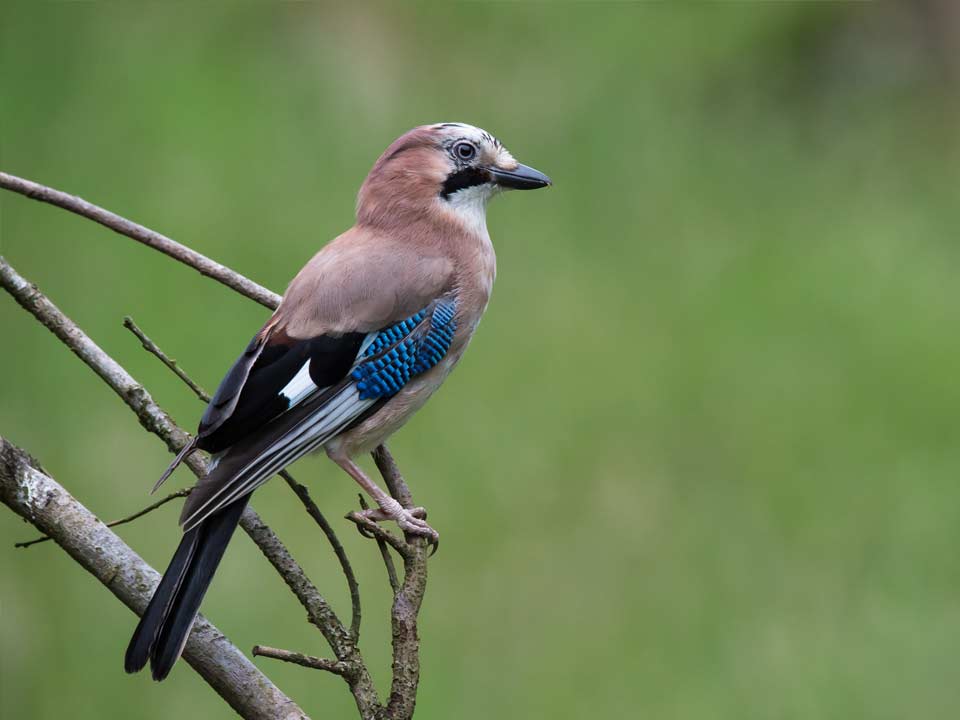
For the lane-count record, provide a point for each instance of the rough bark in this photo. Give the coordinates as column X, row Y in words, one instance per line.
column 36, row 497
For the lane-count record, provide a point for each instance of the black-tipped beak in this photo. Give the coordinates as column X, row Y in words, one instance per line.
column 520, row 178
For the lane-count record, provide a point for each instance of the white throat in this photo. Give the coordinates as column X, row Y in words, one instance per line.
column 469, row 206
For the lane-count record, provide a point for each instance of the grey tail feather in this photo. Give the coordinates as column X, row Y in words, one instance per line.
column 181, row 456
column 166, row 623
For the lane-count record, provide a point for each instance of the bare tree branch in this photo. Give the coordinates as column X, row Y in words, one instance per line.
column 391, row 476
column 320, row 614
column 384, row 553
column 154, row 419
column 122, row 521
column 406, row 602
column 30, row 492
column 152, row 348
column 144, row 235
column 408, row 594
column 318, row 517
column 332, row 666
column 151, row 416
column 406, row 640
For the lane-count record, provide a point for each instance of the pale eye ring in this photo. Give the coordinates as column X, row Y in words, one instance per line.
column 464, row 151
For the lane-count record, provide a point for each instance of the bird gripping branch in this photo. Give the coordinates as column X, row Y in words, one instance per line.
column 365, row 334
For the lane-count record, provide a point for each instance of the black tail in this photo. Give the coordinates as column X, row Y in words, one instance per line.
column 167, row 621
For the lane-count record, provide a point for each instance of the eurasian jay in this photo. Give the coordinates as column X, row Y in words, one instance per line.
column 365, row 334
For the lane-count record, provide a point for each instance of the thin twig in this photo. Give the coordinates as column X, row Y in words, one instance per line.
column 141, row 234
column 318, row 517
column 151, row 347
column 130, row 518
column 332, row 666
column 319, row 611
column 385, row 554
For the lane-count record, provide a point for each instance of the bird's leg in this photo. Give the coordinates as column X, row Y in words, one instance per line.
column 410, row 521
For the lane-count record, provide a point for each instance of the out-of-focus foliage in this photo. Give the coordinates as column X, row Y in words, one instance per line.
column 702, row 459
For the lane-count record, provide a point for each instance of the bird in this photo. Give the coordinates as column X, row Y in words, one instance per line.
column 365, row 333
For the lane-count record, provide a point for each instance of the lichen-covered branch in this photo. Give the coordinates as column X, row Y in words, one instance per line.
column 183, row 492
column 28, row 490
column 309, row 661
column 406, row 601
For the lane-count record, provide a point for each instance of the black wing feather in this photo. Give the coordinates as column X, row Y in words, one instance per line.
column 228, row 392
column 250, row 394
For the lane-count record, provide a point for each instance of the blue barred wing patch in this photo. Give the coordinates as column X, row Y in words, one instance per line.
column 404, row 350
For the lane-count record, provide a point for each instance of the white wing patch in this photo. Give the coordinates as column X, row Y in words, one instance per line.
column 299, row 386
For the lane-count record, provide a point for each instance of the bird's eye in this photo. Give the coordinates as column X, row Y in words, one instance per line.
column 464, row 150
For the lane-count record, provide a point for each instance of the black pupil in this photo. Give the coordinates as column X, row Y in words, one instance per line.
column 465, row 151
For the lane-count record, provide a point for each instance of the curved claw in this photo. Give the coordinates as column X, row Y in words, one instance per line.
column 413, row 525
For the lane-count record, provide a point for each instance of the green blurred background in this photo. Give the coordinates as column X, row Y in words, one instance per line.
column 701, row 460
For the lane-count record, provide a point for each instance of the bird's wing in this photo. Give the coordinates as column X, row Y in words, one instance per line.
column 356, row 285
column 333, row 350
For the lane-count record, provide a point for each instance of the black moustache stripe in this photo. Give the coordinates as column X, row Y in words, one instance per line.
column 468, row 177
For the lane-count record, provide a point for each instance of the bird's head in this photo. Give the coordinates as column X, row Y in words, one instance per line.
column 445, row 170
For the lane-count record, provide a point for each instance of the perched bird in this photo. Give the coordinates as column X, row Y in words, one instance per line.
column 365, row 334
